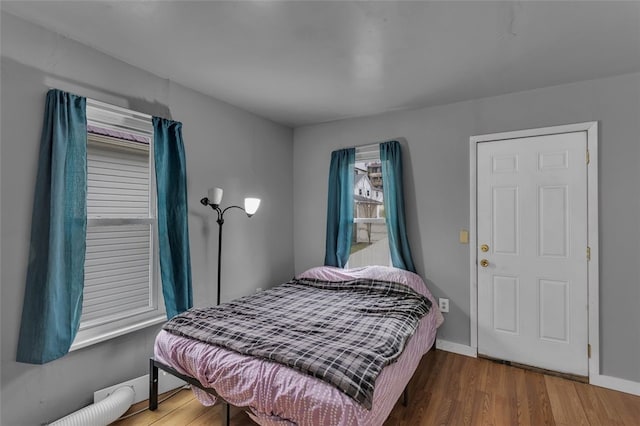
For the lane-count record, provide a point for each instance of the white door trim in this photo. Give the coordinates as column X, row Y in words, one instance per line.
column 591, row 128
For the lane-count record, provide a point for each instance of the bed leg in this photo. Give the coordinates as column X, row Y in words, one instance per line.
column 153, row 385
column 227, row 414
column 405, row 396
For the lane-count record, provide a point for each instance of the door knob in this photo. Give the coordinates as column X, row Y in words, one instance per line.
column 484, row 263
column 484, row 248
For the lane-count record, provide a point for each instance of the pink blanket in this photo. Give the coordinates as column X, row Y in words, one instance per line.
column 278, row 395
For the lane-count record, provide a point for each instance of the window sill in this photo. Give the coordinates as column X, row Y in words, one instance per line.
column 91, row 337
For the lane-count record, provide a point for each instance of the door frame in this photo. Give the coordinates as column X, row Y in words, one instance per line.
column 591, row 129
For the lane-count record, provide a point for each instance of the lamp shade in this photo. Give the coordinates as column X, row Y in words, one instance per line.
column 251, row 205
column 215, row 196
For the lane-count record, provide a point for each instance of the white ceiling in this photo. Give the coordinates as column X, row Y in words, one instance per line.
column 308, row 62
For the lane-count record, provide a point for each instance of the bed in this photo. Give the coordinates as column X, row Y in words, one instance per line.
column 274, row 394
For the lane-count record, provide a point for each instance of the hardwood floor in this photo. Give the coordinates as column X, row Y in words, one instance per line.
column 450, row 389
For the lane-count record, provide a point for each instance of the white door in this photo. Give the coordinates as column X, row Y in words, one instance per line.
column 532, row 216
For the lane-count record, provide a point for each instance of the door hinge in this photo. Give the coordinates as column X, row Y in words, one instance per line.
column 588, row 157
column 588, row 253
column 589, row 350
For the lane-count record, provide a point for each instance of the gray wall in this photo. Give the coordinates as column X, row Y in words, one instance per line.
column 225, row 147
column 436, row 156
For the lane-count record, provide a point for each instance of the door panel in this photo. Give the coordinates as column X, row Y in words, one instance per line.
column 505, row 304
column 532, row 213
column 554, row 310
column 505, row 213
column 553, row 229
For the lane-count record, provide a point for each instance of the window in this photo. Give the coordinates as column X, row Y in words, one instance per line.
column 121, row 290
column 370, row 244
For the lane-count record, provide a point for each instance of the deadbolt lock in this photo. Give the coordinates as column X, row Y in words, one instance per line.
column 484, row 248
column 484, row 263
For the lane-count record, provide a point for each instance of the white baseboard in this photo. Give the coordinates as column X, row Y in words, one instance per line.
column 457, row 348
column 140, row 385
column 616, row 383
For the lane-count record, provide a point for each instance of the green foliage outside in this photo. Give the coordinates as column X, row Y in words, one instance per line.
column 355, row 247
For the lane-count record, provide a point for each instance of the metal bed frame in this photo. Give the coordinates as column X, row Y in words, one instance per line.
column 154, row 366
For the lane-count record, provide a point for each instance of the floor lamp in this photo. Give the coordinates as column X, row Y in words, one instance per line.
column 213, row 199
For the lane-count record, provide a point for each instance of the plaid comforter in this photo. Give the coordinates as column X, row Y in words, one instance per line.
column 342, row 332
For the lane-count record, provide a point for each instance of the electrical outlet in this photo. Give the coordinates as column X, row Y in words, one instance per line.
column 443, row 304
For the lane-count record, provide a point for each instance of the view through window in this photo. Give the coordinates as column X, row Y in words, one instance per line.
column 369, row 243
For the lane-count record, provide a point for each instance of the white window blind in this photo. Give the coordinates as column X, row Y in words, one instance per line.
column 121, row 286
column 368, row 152
column 118, row 179
column 117, row 271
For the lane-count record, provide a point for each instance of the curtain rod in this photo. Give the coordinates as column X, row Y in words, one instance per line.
column 107, row 105
column 368, row 145
column 117, row 108
column 371, row 145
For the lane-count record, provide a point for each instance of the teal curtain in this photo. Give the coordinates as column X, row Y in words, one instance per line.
column 55, row 271
column 391, row 158
column 340, row 207
column 173, row 229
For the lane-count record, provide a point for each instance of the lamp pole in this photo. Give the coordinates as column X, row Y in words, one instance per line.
column 250, row 207
column 220, row 222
